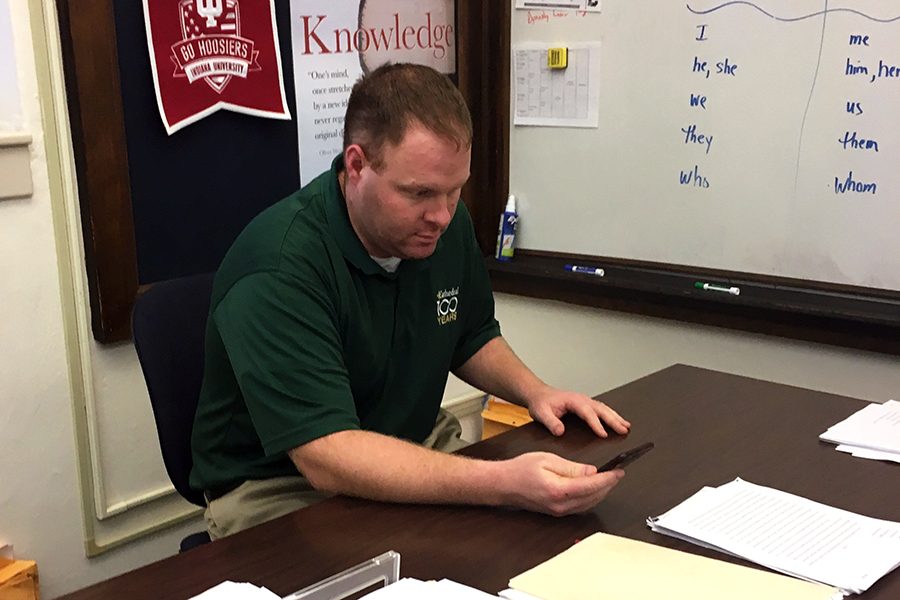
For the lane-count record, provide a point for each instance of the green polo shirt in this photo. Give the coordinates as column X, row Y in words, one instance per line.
column 307, row 336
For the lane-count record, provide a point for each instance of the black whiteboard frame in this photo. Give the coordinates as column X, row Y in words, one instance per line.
column 860, row 318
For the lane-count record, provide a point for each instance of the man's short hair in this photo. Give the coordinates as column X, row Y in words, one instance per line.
column 385, row 102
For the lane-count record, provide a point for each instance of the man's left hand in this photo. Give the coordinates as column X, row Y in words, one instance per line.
column 551, row 404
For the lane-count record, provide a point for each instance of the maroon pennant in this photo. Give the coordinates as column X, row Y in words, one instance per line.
column 214, row 54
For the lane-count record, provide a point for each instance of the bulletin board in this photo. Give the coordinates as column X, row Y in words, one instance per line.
column 157, row 207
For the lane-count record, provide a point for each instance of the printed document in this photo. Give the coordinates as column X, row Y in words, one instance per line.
column 787, row 533
column 567, row 97
column 410, row 588
column 232, row 590
column 872, row 432
column 556, row 5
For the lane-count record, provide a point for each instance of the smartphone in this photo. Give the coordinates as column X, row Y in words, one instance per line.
column 626, row 458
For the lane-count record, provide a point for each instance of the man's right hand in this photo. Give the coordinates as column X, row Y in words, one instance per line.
column 547, row 483
column 379, row 467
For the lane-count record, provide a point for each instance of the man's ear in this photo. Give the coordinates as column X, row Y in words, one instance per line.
column 354, row 161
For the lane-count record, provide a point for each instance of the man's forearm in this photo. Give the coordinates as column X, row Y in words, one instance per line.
column 497, row 370
column 379, row 467
column 374, row 466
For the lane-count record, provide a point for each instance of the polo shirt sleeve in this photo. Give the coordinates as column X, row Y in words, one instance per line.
column 281, row 337
column 480, row 324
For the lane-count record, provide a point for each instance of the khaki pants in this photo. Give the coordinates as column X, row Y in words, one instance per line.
column 258, row 501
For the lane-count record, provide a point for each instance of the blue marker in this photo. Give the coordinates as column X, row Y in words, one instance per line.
column 585, row 270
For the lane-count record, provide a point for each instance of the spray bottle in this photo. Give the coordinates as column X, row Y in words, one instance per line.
column 506, row 236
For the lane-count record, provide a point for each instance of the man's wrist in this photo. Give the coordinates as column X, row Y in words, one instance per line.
column 529, row 396
column 491, row 479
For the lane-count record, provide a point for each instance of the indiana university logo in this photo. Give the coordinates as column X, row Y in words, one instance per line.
column 214, row 54
column 212, row 48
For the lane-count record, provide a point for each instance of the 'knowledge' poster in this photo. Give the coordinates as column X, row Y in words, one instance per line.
column 334, row 42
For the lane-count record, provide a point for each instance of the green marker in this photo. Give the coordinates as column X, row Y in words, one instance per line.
column 711, row 287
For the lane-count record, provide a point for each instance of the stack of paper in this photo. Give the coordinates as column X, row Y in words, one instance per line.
column 787, row 533
column 403, row 589
column 230, row 590
column 409, row 588
column 607, row 566
column 873, row 432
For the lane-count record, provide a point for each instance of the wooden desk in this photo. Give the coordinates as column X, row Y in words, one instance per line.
column 709, row 428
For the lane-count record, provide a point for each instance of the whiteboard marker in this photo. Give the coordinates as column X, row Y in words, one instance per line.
column 586, row 270
column 506, row 234
column 709, row 287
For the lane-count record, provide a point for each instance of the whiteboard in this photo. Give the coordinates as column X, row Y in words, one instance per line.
column 801, row 100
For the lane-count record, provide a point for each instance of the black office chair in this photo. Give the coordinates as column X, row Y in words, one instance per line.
column 168, row 324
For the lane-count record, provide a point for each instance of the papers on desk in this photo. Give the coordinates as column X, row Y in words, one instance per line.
column 230, row 590
column 787, row 533
column 416, row 589
column 873, row 432
column 402, row 589
column 867, row 453
column 607, row 566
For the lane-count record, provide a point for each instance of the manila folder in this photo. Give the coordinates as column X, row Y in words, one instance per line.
column 607, row 566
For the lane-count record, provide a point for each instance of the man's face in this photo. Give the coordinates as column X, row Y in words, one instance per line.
column 403, row 208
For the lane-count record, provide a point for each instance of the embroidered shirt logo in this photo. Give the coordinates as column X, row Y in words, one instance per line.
column 447, row 302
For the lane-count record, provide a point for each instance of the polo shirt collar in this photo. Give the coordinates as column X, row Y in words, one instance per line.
column 342, row 230
column 339, row 223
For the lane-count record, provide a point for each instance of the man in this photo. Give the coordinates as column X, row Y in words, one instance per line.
column 336, row 317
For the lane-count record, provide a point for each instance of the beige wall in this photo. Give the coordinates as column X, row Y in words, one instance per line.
column 41, row 386
column 593, row 351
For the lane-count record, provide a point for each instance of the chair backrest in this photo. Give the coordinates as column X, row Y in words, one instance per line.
column 168, row 325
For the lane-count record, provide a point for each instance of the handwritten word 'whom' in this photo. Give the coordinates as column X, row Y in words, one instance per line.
column 852, row 185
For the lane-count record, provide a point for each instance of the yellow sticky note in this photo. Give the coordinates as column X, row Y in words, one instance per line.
column 557, row 58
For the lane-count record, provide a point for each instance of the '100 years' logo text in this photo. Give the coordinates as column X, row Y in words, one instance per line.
column 447, row 301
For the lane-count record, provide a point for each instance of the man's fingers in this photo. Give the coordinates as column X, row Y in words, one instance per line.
column 557, row 486
column 598, row 416
column 583, row 493
column 590, row 414
column 612, row 419
column 551, row 421
column 568, row 468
